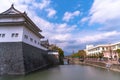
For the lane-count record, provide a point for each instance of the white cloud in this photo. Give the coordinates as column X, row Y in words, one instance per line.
column 98, row 37
column 69, row 15
column 63, row 28
column 105, row 13
column 62, row 33
column 4, row 5
column 42, row 5
column 84, row 19
column 22, row 1
column 61, row 37
column 45, row 5
column 51, row 31
column 51, row 12
column 104, row 10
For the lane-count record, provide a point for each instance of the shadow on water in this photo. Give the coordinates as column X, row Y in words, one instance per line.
column 68, row 72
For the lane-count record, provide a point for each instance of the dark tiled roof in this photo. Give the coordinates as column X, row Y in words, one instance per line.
column 12, row 12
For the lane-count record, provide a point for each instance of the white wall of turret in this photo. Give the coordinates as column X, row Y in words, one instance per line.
column 11, row 33
column 19, row 34
column 30, row 38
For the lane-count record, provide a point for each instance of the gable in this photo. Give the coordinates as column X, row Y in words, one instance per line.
column 11, row 10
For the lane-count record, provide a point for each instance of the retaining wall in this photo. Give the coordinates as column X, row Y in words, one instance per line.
column 17, row 58
column 113, row 67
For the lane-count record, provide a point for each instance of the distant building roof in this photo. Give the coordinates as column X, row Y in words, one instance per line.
column 93, row 47
column 45, row 43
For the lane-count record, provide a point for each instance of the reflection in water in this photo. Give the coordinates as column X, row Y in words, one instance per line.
column 68, row 72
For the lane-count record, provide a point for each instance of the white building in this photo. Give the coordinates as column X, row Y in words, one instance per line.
column 108, row 50
column 115, row 46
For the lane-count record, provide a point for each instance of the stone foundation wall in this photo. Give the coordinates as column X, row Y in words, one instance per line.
column 20, row 58
column 11, row 58
column 34, row 58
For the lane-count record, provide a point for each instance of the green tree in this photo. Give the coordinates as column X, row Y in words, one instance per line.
column 82, row 54
column 75, row 55
column 61, row 53
column 118, row 51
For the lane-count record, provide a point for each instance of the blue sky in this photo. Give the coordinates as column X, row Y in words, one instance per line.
column 73, row 24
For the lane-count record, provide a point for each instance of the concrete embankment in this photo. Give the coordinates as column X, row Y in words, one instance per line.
column 101, row 64
column 113, row 67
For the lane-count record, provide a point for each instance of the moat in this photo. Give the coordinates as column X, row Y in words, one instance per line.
column 68, row 72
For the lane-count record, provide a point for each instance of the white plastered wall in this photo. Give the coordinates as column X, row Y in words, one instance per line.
column 30, row 34
column 8, row 31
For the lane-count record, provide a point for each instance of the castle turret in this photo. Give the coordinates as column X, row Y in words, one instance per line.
column 20, row 43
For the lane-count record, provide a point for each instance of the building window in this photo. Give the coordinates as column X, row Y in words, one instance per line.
column 14, row 35
column 25, row 36
column 103, row 48
column 2, row 35
column 31, row 39
column 38, row 43
column 35, row 41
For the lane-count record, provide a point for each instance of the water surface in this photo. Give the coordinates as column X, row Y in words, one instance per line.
column 68, row 72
